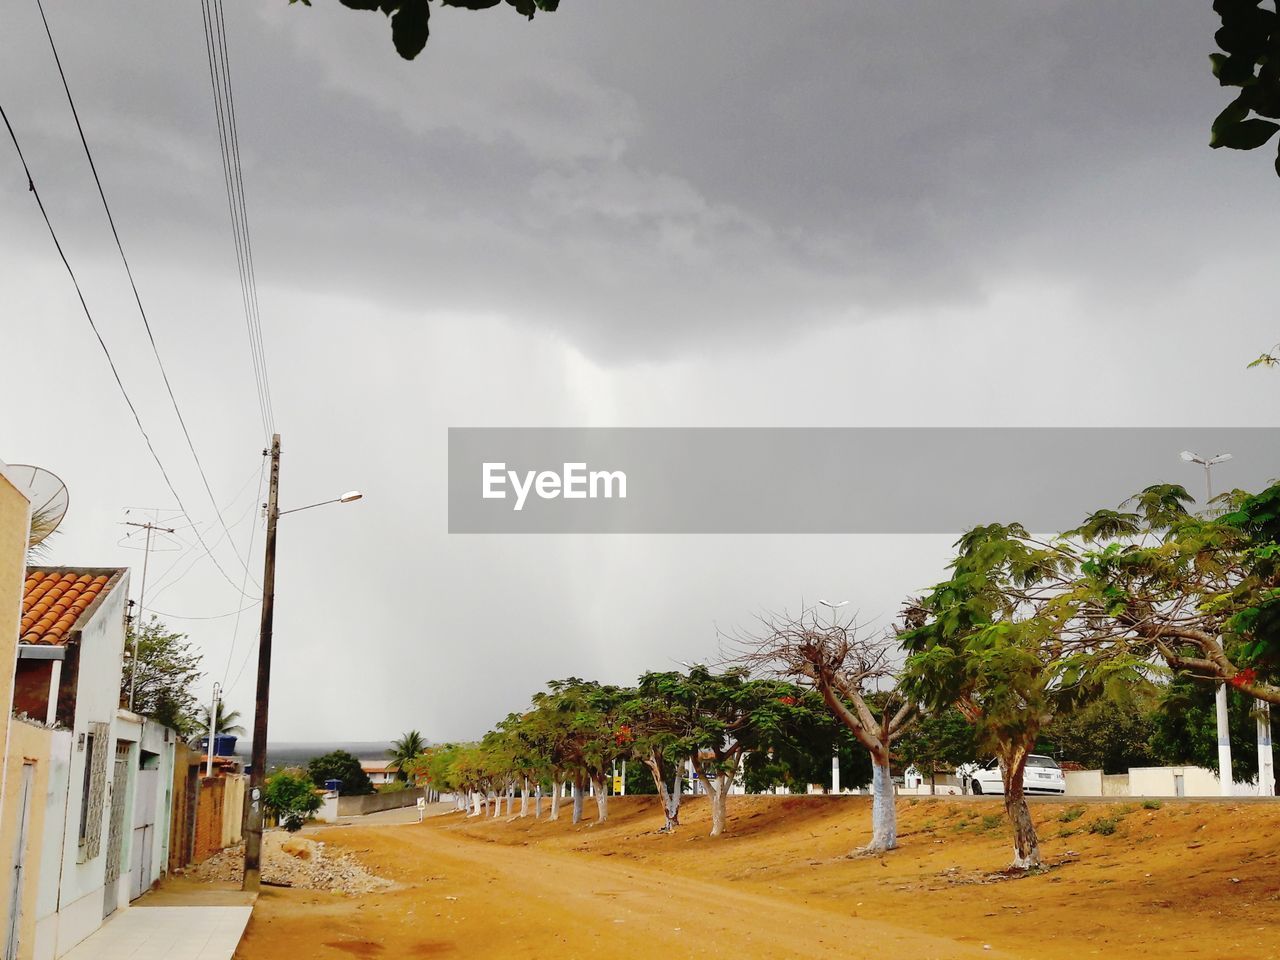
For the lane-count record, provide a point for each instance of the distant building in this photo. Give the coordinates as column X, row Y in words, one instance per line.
column 379, row 771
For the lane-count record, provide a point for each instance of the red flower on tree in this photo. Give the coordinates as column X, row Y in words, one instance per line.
column 1243, row 677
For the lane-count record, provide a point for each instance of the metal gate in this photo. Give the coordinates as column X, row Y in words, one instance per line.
column 15, row 899
column 115, row 832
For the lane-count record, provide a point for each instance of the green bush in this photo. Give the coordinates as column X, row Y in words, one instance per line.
column 1105, row 826
column 1068, row 816
column 1151, row 804
column 343, row 766
column 991, row 821
column 291, row 798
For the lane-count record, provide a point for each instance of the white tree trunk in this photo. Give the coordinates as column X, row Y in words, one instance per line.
column 537, row 801
column 555, row 799
column 577, row 801
column 719, row 789
column 602, row 801
column 511, row 797
column 497, row 804
column 524, row 796
column 884, row 814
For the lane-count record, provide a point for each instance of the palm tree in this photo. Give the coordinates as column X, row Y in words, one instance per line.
column 404, row 750
column 228, row 721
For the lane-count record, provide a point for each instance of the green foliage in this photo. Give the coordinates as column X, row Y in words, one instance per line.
column 168, row 667
column 1250, row 40
column 1151, row 804
column 992, row 820
column 404, row 750
column 1104, row 826
column 1112, row 734
column 340, row 765
column 938, row 743
column 1071, row 814
column 411, row 19
column 1185, row 729
column 228, row 721
column 291, row 797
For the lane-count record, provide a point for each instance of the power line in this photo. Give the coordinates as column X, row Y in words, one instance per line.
column 137, row 297
column 31, row 185
column 214, row 24
column 235, row 632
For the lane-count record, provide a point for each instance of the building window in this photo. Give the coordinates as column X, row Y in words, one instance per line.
column 93, row 791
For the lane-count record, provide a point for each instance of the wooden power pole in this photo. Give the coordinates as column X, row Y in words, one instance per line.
column 258, row 770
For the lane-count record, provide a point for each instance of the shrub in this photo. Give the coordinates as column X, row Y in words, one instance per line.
column 991, row 821
column 1068, row 816
column 1151, row 804
column 291, row 798
column 343, row 766
column 1104, row 826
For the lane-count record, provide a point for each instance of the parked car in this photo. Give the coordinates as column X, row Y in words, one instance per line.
column 1041, row 775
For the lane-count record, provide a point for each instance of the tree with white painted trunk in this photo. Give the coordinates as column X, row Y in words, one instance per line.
column 854, row 672
column 718, row 717
column 1000, row 641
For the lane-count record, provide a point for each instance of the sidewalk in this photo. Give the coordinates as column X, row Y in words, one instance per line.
column 167, row 933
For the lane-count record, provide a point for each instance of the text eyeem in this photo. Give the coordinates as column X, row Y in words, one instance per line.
column 574, row 482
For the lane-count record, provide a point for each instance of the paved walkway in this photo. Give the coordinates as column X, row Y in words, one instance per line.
column 166, row 933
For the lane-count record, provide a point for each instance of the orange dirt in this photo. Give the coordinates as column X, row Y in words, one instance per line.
column 1191, row 878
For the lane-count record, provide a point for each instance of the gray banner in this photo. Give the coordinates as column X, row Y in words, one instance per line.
column 826, row 480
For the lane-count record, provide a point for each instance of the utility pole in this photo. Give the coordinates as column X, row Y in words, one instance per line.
column 142, row 600
column 213, row 729
column 257, row 774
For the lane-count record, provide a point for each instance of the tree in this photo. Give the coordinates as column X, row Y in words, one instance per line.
column 291, row 797
column 167, row 668
column 847, row 668
column 996, row 640
column 1250, row 40
column 342, row 766
column 1200, row 592
column 410, row 19
column 404, row 750
column 1184, row 729
column 228, row 721
column 1112, row 734
column 937, row 743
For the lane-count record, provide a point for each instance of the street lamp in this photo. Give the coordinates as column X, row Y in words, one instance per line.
column 1207, row 463
column 1225, row 779
column 835, row 752
column 258, row 770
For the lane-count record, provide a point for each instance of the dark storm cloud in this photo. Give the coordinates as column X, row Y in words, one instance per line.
column 644, row 178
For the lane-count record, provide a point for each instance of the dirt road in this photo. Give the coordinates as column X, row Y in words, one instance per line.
column 1174, row 881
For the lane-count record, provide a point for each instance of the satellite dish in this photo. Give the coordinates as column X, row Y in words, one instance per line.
column 48, row 496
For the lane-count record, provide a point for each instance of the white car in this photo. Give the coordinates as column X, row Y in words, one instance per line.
column 1041, row 775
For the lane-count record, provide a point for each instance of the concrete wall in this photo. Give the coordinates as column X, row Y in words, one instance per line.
column 1150, row 782
column 52, row 844
column 233, row 809
column 372, row 803
column 31, row 744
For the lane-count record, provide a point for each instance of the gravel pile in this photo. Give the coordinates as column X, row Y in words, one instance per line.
column 291, row 861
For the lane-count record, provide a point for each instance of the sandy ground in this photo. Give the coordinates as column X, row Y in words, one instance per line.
column 1188, row 879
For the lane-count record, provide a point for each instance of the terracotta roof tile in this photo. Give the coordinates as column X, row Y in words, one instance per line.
column 53, row 601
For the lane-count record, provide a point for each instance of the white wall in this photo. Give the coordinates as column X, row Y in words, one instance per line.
column 80, row 893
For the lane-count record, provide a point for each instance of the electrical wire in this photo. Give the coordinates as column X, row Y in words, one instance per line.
column 31, row 186
column 214, row 24
column 137, row 297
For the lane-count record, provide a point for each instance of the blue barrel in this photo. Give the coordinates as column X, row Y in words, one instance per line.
column 224, row 745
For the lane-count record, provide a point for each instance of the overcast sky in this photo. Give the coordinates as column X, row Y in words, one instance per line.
column 636, row 214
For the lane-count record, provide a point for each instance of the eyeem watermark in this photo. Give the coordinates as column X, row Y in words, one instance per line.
column 822, row 480
column 573, row 482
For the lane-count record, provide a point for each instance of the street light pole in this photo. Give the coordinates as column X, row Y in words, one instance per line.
column 835, row 751
column 258, row 770
column 1225, row 779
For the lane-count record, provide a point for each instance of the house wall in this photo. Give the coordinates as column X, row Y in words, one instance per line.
column 52, row 844
column 101, row 649
column 17, row 740
column 233, row 808
column 181, row 807
column 34, row 744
